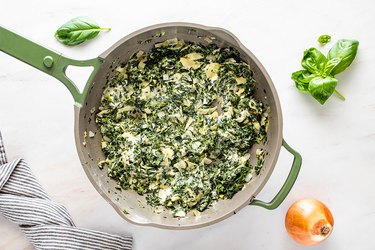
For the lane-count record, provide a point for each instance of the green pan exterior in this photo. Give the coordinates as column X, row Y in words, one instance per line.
column 46, row 60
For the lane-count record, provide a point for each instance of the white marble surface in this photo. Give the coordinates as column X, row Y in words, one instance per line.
column 337, row 140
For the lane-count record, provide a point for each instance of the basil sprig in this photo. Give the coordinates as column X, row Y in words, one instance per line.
column 78, row 30
column 318, row 75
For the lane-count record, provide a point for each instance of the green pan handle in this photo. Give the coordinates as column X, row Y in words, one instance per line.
column 46, row 60
column 290, row 180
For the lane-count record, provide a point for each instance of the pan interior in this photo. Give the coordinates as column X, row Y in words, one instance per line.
column 132, row 206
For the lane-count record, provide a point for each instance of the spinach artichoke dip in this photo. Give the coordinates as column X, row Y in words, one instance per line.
column 177, row 125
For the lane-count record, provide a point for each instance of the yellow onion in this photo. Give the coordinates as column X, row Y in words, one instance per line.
column 309, row 221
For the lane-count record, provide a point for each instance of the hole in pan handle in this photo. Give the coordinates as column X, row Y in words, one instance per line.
column 288, row 184
column 46, row 60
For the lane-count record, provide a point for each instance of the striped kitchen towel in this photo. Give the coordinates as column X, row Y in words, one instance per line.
column 45, row 223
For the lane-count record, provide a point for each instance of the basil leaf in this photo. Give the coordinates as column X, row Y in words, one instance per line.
column 302, row 79
column 346, row 50
column 324, row 39
column 78, row 30
column 330, row 65
column 313, row 60
column 322, row 88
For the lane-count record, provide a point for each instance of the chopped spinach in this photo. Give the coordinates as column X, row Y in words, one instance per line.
column 177, row 125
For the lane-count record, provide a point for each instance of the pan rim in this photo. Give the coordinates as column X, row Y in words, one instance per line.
column 278, row 140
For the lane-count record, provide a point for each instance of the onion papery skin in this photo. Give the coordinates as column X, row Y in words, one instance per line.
column 309, row 221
